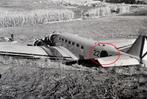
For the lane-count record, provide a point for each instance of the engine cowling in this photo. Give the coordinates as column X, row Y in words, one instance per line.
column 48, row 40
column 39, row 42
column 52, row 38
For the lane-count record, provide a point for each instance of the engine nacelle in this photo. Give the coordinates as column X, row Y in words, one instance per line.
column 39, row 42
column 52, row 38
column 48, row 40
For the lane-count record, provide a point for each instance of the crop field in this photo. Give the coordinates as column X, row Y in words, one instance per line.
column 14, row 16
column 40, row 16
column 43, row 79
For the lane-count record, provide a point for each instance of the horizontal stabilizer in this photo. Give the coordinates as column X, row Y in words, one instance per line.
column 123, row 60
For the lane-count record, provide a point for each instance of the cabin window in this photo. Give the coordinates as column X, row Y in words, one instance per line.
column 69, row 42
column 62, row 39
column 73, row 43
column 104, row 53
column 82, row 47
column 77, row 45
column 65, row 41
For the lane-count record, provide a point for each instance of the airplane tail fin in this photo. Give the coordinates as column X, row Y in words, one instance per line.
column 139, row 48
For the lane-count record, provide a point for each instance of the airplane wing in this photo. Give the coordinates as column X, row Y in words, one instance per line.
column 19, row 50
column 122, row 60
column 11, row 49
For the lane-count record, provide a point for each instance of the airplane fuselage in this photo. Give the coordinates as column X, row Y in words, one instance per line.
column 84, row 48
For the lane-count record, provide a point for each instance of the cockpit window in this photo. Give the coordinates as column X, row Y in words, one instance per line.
column 82, row 47
column 104, row 53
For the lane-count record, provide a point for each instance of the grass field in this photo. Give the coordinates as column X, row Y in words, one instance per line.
column 111, row 27
column 29, row 81
column 35, row 79
column 42, row 79
column 21, row 12
column 39, row 16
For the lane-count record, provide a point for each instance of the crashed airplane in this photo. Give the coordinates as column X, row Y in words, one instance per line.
column 75, row 49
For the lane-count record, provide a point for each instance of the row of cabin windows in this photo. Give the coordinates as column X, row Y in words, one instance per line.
column 69, row 42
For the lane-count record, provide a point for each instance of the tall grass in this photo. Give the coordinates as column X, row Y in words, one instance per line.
column 108, row 10
column 40, row 16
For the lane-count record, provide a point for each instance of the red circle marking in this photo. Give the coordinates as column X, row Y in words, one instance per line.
column 89, row 54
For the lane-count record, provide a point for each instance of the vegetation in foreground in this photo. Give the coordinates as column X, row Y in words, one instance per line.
column 56, row 81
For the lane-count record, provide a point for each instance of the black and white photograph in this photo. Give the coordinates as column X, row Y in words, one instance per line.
column 73, row 49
